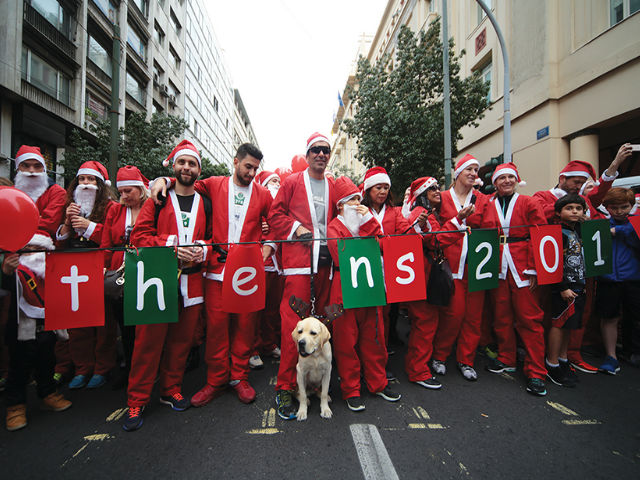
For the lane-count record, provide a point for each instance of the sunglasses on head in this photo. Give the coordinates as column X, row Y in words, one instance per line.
column 317, row 150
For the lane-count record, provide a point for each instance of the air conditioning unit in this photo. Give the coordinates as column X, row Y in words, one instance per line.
column 164, row 90
column 156, row 79
column 172, row 100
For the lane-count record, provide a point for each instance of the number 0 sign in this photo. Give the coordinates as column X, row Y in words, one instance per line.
column 546, row 241
column 484, row 260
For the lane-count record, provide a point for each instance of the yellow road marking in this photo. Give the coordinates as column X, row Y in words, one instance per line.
column 562, row 409
column 417, row 425
column 463, row 468
column 272, row 418
column 421, row 412
column 435, row 426
column 263, row 431
column 581, row 422
column 98, row 437
column 75, row 454
column 117, row 415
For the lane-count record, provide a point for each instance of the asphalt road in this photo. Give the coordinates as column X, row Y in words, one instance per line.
column 488, row 429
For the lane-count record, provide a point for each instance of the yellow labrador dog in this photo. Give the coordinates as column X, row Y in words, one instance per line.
column 314, row 364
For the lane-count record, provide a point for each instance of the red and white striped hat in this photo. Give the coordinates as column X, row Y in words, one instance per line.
column 345, row 190
column 316, row 137
column 374, row 176
column 419, row 186
column 578, row 168
column 507, row 169
column 265, row 176
column 41, row 239
column 463, row 163
column 25, row 152
column 96, row 169
column 185, row 147
column 130, row 176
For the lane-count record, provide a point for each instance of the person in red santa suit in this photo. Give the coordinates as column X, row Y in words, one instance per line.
column 302, row 209
column 515, row 305
column 162, row 349
column 92, row 349
column 239, row 206
column 464, row 315
column 31, row 348
column 268, row 326
column 358, row 335
column 121, row 218
column 32, row 179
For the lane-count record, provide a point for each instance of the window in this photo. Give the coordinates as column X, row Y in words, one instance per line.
column 143, row 6
column 53, row 12
column 98, row 107
column 176, row 24
column 215, row 103
column 158, row 34
column 45, row 77
column 99, row 55
column 155, row 108
column 481, row 13
column 136, row 42
column 136, row 89
column 620, row 9
column 432, row 6
column 485, row 73
column 176, row 58
column 172, row 89
column 196, row 129
column 109, row 9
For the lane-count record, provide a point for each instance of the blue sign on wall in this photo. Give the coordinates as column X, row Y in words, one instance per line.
column 543, row 132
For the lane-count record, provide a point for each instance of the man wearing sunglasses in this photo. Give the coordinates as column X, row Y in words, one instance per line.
column 302, row 209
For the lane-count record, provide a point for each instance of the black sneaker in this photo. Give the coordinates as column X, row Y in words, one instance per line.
column 286, row 408
column 355, row 404
column 133, row 420
column 389, row 395
column 176, row 401
column 430, row 383
column 569, row 373
column 390, row 376
column 496, row 366
column 535, row 386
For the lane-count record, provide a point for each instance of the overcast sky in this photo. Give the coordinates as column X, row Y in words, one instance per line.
column 289, row 59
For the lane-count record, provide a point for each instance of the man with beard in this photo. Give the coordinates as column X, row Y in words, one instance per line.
column 32, row 179
column 161, row 350
column 31, row 348
column 239, row 207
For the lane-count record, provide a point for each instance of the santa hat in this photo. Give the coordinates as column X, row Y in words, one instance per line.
column 130, row 176
column 507, row 169
column 25, row 152
column 419, row 186
column 185, row 147
column 374, row 176
column 463, row 163
column 265, row 177
column 96, row 169
column 345, row 190
column 41, row 240
column 578, row 168
column 316, row 137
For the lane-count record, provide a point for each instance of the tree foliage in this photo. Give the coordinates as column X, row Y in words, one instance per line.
column 398, row 121
column 142, row 143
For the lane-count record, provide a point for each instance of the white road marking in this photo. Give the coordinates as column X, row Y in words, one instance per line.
column 373, row 456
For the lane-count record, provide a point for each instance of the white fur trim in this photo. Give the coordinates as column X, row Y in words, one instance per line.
column 266, row 180
column 503, row 171
column 30, row 156
column 471, row 161
column 348, row 197
column 186, row 151
column 376, row 179
column 317, row 138
column 90, row 229
column 130, row 183
column 43, row 241
column 577, row 173
column 91, row 171
column 607, row 178
column 432, row 181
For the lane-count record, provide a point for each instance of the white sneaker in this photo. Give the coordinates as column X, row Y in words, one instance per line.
column 275, row 353
column 438, row 367
column 468, row 372
column 255, row 362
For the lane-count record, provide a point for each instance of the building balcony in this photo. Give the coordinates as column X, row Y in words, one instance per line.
column 43, row 100
column 98, row 75
column 43, row 28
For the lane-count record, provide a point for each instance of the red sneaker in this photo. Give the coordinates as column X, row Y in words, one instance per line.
column 246, row 393
column 205, row 395
column 584, row 367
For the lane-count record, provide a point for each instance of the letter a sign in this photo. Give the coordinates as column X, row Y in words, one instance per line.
column 150, row 286
column 361, row 273
column 243, row 286
column 546, row 241
column 404, row 268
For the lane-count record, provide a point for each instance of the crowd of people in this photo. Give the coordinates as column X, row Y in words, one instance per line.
column 200, row 218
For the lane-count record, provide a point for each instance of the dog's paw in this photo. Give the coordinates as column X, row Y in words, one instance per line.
column 301, row 415
column 326, row 412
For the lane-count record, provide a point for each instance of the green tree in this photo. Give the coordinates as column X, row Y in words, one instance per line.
column 398, row 122
column 142, row 143
column 341, row 170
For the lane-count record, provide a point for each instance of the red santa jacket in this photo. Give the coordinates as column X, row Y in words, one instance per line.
column 30, row 292
column 93, row 232
column 292, row 207
column 51, row 207
column 113, row 234
column 456, row 252
column 516, row 257
column 170, row 231
column 337, row 229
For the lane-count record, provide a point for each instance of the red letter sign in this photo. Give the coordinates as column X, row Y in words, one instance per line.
column 546, row 241
column 243, row 287
column 404, row 268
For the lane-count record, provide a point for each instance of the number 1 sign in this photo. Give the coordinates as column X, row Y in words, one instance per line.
column 596, row 242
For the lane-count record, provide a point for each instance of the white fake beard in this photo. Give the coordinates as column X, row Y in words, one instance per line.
column 33, row 184
column 352, row 219
column 406, row 209
column 85, row 196
column 36, row 262
column 273, row 189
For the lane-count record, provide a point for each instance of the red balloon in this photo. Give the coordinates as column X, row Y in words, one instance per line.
column 18, row 211
column 299, row 163
column 283, row 173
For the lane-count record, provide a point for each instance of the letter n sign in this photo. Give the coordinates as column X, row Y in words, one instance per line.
column 150, row 287
column 361, row 273
column 546, row 241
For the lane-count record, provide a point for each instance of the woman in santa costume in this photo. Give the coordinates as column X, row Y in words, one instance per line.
column 515, row 304
column 92, row 349
column 121, row 218
column 464, row 315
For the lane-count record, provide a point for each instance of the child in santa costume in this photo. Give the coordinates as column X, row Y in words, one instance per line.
column 358, row 335
column 31, row 348
column 92, row 349
column 161, row 349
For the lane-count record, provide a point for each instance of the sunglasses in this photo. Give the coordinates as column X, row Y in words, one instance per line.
column 317, row 150
column 433, row 188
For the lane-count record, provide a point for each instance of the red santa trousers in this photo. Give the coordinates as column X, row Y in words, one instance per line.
column 519, row 308
column 228, row 335
column 297, row 285
column 424, row 324
column 462, row 322
column 268, row 326
column 359, row 346
column 161, row 349
column 64, row 365
column 93, row 349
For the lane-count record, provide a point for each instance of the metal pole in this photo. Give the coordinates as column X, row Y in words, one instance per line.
column 446, row 99
column 115, row 105
column 506, row 97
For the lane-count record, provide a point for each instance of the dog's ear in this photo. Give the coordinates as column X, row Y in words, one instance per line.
column 294, row 333
column 324, row 334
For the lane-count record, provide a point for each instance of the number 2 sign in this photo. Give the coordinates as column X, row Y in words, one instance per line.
column 484, row 260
